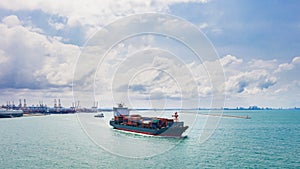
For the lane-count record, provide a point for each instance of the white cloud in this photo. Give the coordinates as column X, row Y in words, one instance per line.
column 203, row 25
column 263, row 64
column 259, row 81
column 91, row 14
column 56, row 25
column 216, row 31
column 254, row 76
column 143, row 72
column 11, row 21
column 284, row 66
column 32, row 60
column 251, row 82
column 288, row 66
column 296, row 60
column 244, row 79
column 230, row 60
column 3, row 57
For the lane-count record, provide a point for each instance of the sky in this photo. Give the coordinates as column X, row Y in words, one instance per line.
column 55, row 50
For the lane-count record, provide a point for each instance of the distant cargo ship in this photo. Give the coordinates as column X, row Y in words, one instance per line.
column 146, row 125
column 4, row 113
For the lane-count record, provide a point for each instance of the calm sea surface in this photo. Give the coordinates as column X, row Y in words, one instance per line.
column 270, row 139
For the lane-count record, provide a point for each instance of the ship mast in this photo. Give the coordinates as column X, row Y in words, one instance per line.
column 175, row 117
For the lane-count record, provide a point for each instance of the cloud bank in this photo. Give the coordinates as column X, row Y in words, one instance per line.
column 38, row 54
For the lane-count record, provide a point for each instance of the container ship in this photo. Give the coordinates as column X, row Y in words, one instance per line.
column 147, row 125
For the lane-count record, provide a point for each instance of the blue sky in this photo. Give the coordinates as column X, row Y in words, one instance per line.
column 257, row 41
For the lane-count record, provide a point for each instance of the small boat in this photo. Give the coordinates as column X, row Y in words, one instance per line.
column 154, row 126
column 9, row 113
column 99, row 115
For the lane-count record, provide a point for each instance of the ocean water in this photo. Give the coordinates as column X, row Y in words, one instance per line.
column 270, row 139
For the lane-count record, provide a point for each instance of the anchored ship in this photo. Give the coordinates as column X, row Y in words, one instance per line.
column 4, row 113
column 146, row 125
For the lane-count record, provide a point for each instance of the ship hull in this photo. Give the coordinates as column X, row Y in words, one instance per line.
column 172, row 131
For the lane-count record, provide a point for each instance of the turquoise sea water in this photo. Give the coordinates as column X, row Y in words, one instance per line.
column 270, row 139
